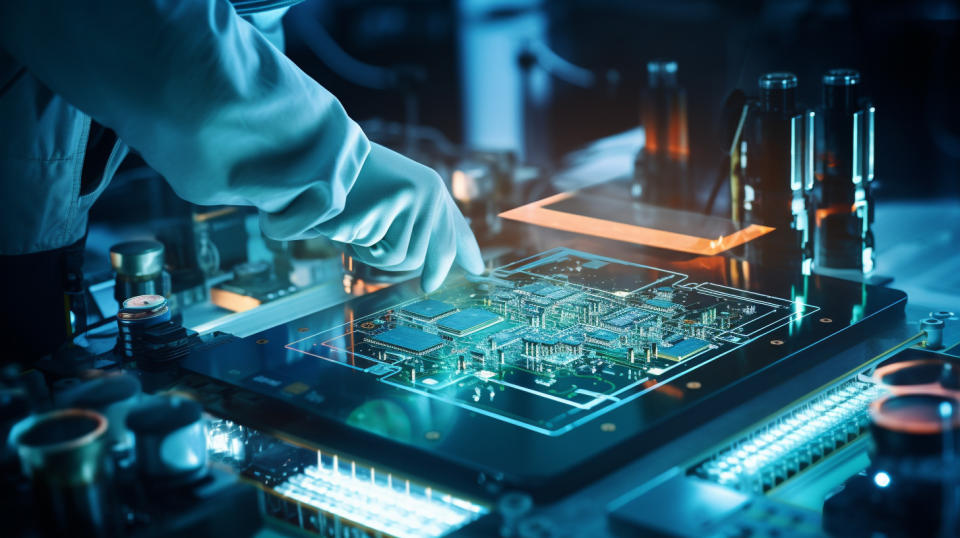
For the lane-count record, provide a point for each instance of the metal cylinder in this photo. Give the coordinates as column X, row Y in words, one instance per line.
column 915, row 425
column 62, row 452
column 662, row 73
column 841, row 89
column 171, row 445
column 113, row 396
column 843, row 211
column 933, row 331
column 778, row 172
column 661, row 166
column 139, row 268
column 138, row 314
column 778, row 92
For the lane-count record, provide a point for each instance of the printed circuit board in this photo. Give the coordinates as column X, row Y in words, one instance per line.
column 553, row 341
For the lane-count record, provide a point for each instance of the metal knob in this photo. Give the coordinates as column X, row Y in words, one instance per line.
column 137, row 259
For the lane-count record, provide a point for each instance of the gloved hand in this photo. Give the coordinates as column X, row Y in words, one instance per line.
column 398, row 216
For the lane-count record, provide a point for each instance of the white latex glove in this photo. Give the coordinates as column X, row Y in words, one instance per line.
column 398, row 216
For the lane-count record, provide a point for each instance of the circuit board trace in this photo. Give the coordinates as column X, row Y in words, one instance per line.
column 554, row 341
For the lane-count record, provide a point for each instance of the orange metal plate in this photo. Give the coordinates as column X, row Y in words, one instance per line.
column 536, row 213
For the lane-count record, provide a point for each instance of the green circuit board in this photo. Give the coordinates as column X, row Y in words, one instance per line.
column 553, row 341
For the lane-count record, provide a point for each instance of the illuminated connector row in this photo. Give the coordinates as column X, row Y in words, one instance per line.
column 226, row 441
column 795, row 440
column 378, row 502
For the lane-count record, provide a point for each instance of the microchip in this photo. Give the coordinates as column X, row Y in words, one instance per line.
column 507, row 337
column 468, row 321
column 624, row 318
column 533, row 288
column 541, row 302
column 561, row 294
column 619, row 322
column 660, row 305
column 603, row 337
column 572, row 340
column 547, row 290
column 428, row 309
column 561, row 359
column 683, row 349
column 406, row 339
column 537, row 337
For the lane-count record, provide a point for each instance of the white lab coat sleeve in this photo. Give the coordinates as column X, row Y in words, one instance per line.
column 206, row 100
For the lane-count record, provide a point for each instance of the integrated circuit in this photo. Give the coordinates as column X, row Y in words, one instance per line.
column 603, row 337
column 547, row 291
column 468, row 321
column 428, row 309
column 412, row 341
column 684, row 349
column 660, row 305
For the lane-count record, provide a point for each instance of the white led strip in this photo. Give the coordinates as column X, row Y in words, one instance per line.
column 379, row 503
column 798, row 438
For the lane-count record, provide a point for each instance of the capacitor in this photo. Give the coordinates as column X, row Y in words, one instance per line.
column 63, row 454
column 630, row 355
column 843, row 202
column 171, row 446
column 139, row 268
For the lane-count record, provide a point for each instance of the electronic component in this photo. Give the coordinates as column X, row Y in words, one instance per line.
column 407, row 339
column 659, row 305
column 468, row 321
column 62, row 454
column 907, row 489
column 428, row 309
column 603, row 337
column 843, row 212
column 684, row 349
column 546, row 379
column 792, row 441
column 778, row 173
column 377, row 501
column 139, row 268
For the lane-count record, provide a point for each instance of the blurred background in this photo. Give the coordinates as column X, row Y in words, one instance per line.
column 512, row 101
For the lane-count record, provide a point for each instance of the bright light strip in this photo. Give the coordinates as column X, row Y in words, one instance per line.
column 795, row 439
column 378, row 502
column 225, row 440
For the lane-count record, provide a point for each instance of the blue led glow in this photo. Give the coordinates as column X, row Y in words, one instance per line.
column 881, row 479
column 377, row 501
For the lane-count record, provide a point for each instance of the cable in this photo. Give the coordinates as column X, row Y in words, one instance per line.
column 559, row 67
column 321, row 43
